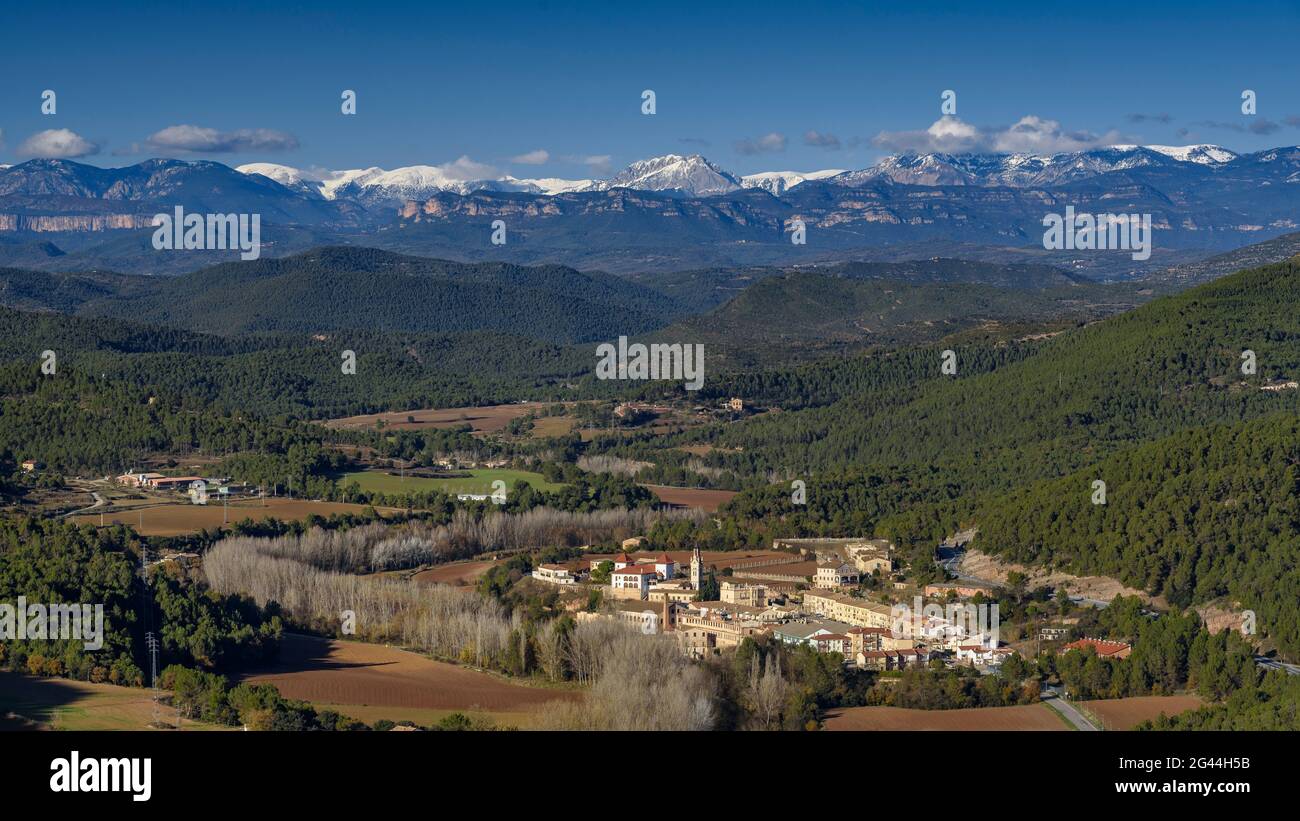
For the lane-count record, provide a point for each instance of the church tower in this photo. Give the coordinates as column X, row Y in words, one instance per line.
column 697, row 569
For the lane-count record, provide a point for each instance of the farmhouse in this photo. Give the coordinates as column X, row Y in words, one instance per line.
column 554, row 573
column 29, row 465
column 171, row 482
column 137, row 479
column 1103, row 648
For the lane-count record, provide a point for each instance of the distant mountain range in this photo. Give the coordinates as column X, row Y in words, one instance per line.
column 695, row 176
column 667, row 213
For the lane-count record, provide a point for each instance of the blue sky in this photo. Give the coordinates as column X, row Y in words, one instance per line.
column 742, row 83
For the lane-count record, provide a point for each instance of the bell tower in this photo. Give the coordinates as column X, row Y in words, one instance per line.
column 697, row 569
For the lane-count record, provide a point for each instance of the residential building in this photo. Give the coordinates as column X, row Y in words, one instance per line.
column 891, row 659
column 982, row 650
column 855, row 612
column 554, row 574
column 632, row 581
column 138, row 479
column 871, row 556
column 802, row 632
column 831, row 643
column 171, row 482
column 831, row 576
column 665, row 566
column 1103, row 648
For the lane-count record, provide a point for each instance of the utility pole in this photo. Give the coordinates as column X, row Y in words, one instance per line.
column 152, row 643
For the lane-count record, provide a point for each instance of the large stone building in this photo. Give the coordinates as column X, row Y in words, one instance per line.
column 848, row 609
column 754, row 595
column 835, row 575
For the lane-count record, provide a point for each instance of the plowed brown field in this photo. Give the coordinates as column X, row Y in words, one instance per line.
column 1023, row 717
column 390, row 683
column 1127, row 713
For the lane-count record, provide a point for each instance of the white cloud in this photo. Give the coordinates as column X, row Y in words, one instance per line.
column 199, row 140
column 57, row 143
column 466, row 169
column 762, row 145
column 821, row 139
column 1029, row 134
column 538, row 157
column 598, row 163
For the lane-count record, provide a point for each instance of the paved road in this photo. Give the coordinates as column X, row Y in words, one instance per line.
column 1072, row 715
column 1274, row 664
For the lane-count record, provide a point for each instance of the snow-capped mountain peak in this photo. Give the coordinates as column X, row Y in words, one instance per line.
column 777, row 183
column 1203, row 154
column 691, row 175
column 694, row 176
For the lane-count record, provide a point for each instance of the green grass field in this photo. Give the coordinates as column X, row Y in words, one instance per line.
column 479, row 481
column 29, row 703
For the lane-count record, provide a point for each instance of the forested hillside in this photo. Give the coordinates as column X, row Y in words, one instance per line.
column 1205, row 513
column 353, row 288
column 1166, row 366
column 808, row 315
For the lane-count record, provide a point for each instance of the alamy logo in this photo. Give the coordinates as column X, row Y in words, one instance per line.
column 1098, row 232
column 30, row 622
column 657, row 360
column 209, row 232
column 75, row 774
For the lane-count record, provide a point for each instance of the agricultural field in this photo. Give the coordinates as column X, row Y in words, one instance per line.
column 454, row 573
column 709, row 500
column 478, row 481
column 28, row 703
column 1127, row 713
column 486, row 419
column 370, row 681
column 1021, row 717
column 548, row 426
column 182, row 517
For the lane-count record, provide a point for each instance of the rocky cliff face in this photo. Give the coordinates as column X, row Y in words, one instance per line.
column 40, row 224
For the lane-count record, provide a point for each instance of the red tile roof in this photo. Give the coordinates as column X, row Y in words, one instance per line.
column 1103, row 648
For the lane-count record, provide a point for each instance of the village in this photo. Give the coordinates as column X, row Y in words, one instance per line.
column 804, row 592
